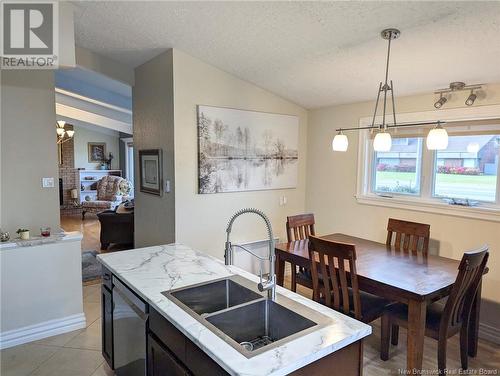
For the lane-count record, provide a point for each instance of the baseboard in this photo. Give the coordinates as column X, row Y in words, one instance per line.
column 489, row 333
column 42, row 330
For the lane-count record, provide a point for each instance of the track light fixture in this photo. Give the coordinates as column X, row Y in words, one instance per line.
column 454, row 87
column 442, row 100
column 471, row 98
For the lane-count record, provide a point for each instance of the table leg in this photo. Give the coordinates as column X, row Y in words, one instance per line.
column 279, row 269
column 416, row 332
column 474, row 323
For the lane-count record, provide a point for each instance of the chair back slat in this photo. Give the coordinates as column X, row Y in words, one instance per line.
column 459, row 303
column 409, row 235
column 338, row 281
column 299, row 227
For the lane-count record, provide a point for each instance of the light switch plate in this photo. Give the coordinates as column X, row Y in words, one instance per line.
column 47, row 182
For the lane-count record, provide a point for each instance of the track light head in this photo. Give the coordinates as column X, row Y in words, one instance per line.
column 439, row 103
column 471, row 98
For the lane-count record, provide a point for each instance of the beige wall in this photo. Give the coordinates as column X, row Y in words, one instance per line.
column 153, row 115
column 28, row 150
column 40, row 284
column 84, row 135
column 332, row 185
column 201, row 218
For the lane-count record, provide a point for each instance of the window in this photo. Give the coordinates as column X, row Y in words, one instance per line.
column 468, row 168
column 398, row 171
column 411, row 176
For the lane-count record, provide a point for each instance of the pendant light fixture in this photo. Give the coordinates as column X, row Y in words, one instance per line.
column 437, row 139
column 383, row 140
column 340, row 142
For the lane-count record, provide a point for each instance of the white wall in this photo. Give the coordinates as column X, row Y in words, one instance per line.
column 201, row 218
column 153, row 114
column 28, row 150
column 40, row 291
column 85, row 135
column 332, row 185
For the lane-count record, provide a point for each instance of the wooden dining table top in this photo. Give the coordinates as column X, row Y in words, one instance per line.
column 418, row 276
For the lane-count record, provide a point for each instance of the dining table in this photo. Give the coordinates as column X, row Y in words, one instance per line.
column 412, row 278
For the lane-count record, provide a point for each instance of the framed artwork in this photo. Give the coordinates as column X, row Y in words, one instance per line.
column 96, row 152
column 240, row 150
column 150, row 171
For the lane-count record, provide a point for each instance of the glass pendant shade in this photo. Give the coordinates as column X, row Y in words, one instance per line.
column 382, row 141
column 61, row 123
column 437, row 139
column 60, row 131
column 70, row 133
column 340, row 142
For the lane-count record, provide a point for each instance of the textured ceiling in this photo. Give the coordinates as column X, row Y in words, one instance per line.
column 313, row 53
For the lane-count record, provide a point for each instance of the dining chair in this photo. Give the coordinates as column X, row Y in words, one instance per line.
column 408, row 236
column 340, row 289
column 444, row 320
column 300, row 227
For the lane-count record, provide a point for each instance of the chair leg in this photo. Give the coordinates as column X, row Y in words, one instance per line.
column 442, row 355
column 464, row 344
column 83, row 215
column 385, row 336
column 294, row 277
column 395, row 334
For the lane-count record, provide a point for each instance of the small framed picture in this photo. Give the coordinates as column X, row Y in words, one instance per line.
column 96, row 151
column 150, row 170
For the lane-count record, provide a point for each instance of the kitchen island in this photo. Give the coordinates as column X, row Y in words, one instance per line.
column 182, row 342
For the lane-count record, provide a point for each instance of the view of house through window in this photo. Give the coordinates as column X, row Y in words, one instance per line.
column 398, row 171
column 468, row 168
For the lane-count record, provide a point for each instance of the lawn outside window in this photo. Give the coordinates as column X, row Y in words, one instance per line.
column 462, row 180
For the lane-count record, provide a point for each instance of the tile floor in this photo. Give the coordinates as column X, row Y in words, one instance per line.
column 76, row 353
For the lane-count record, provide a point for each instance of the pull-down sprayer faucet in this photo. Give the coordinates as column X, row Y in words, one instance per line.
column 268, row 285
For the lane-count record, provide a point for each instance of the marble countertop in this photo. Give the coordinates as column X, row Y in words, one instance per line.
column 152, row 270
column 38, row 240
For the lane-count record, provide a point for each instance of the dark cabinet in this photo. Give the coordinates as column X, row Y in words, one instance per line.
column 161, row 362
column 107, row 324
column 193, row 359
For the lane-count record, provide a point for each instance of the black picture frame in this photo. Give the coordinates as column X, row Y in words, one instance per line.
column 151, row 171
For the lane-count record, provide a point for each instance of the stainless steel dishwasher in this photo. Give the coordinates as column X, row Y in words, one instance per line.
column 130, row 316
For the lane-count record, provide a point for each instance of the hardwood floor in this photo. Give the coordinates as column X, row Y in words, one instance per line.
column 91, row 230
column 488, row 354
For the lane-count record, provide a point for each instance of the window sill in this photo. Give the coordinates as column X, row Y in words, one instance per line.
column 431, row 206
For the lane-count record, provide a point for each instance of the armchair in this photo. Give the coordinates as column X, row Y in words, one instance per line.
column 110, row 193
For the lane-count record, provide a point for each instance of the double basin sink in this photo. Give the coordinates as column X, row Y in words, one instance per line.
column 247, row 320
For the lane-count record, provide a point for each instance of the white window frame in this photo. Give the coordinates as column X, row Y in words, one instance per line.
column 424, row 202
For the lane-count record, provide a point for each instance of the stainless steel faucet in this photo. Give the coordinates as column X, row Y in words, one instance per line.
column 268, row 285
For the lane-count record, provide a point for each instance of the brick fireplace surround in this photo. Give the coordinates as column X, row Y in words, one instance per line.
column 69, row 175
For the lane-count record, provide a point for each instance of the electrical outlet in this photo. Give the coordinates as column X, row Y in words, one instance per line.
column 47, row 182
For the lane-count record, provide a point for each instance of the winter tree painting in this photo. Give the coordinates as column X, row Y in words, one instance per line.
column 246, row 150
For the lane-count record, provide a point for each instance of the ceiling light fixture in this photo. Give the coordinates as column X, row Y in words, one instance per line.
column 454, row 87
column 471, row 98
column 383, row 139
column 439, row 103
column 437, row 139
column 340, row 142
column 63, row 135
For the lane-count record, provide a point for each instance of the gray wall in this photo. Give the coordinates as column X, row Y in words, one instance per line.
column 153, row 108
column 28, row 150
